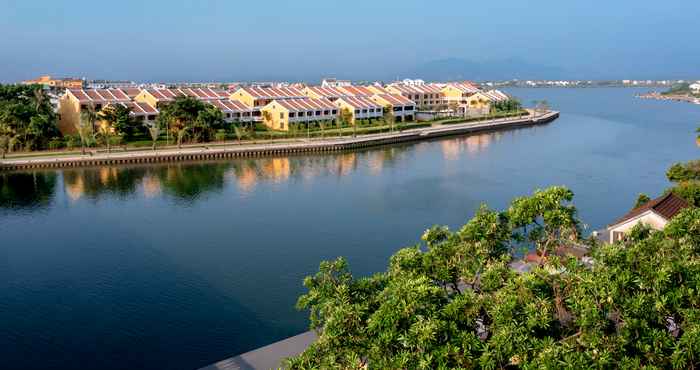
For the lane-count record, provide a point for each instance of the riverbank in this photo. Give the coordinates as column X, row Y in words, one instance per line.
column 672, row 97
column 271, row 149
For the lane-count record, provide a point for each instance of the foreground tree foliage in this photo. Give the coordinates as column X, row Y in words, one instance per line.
column 453, row 301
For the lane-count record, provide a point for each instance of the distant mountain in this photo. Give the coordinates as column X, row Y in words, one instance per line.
column 462, row 69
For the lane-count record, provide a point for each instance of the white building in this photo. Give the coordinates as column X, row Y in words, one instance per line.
column 332, row 82
column 655, row 213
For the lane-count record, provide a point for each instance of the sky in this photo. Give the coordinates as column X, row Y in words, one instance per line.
column 305, row 40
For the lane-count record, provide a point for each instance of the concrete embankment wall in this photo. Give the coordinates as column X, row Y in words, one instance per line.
column 261, row 150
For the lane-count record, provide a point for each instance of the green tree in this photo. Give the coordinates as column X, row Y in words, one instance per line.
column 154, row 129
column 116, row 119
column 85, row 127
column 635, row 307
column 388, row 116
column 180, row 115
column 27, row 117
column 208, row 120
column 345, row 118
column 642, row 199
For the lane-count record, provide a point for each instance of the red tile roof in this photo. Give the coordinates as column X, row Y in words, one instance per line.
column 357, row 90
column 100, row 96
column 139, row 109
column 327, row 92
column 496, row 95
column 396, row 99
column 361, row 102
column 305, row 104
column 465, row 86
column 230, row 106
column 418, row 89
column 274, row 92
column 665, row 206
column 197, row 93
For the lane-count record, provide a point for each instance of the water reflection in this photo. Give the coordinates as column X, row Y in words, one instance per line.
column 186, row 182
column 27, row 190
column 453, row 149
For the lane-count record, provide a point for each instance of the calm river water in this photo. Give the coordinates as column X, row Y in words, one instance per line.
column 177, row 266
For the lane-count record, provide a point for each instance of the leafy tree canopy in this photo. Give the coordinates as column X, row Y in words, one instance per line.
column 452, row 301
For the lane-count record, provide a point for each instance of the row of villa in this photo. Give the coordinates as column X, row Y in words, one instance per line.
column 278, row 106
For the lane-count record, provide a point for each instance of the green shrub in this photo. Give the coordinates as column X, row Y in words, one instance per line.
column 56, row 143
column 220, row 135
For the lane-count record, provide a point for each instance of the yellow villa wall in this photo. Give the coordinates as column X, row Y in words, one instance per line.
column 377, row 90
column 276, row 122
column 343, row 105
column 451, row 93
column 243, row 97
column 479, row 101
column 311, row 94
column 146, row 97
column 69, row 111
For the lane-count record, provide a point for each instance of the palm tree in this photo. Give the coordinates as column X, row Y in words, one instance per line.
column 181, row 114
column 115, row 118
column 86, row 126
column 153, row 129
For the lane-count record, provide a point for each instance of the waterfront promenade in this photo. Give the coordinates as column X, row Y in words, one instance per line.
column 272, row 149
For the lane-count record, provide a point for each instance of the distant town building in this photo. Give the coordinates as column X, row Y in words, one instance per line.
column 332, row 82
column 60, row 83
column 106, row 84
column 695, row 87
column 410, row 82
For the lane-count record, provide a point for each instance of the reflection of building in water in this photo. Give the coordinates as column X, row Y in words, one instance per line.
column 346, row 163
column 375, row 162
column 75, row 186
column 245, row 176
column 473, row 144
column 450, row 149
column 151, row 186
column 106, row 174
column 277, row 169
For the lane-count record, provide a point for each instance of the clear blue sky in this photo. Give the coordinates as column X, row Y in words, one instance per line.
column 306, row 39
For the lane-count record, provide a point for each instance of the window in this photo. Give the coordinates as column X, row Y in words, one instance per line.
column 326, row 112
column 281, row 115
column 410, row 107
column 398, row 109
column 334, row 111
column 98, row 106
column 318, row 112
column 364, row 111
column 357, row 111
column 83, row 106
column 228, row 115
column 292, row 114
column 151, row 118
column 371, row 110
column 236, row 115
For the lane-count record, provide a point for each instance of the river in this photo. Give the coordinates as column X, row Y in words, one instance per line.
column 177, row 266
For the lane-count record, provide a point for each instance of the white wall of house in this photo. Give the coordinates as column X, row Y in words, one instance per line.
column 650, row 218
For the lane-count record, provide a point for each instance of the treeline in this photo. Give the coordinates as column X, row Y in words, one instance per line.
column 27, row 118
column 686, row 179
